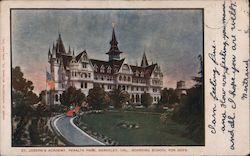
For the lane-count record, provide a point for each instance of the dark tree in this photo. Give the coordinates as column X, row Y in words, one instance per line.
column 146, row 99
column 42, row 96
column 191, row 110
column 169, row 97
column 22, row 94
column 72, row 97
column 23, row 98
column 199, row 79
column 98, row 98
column 119, row 97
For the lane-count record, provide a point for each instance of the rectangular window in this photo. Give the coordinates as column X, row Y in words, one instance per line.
column 81, row 85
column 84, row 65
column 86, row 85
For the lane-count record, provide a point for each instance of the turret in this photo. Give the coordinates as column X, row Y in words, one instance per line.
column 53, row 51
column 49, row 54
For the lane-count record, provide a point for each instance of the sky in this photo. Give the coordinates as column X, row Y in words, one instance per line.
column 171, row 38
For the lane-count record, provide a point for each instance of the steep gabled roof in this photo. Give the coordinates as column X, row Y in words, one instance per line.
column 151, row 68
column 112, row 64
column 147, row 71
column 66, row 60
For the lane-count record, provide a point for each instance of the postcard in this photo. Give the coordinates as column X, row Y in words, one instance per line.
column 124, row 77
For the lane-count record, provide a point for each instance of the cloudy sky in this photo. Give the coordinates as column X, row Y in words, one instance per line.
column 172, row 38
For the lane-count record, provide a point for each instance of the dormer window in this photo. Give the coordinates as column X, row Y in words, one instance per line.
column 84, row 58
column 109, row 70
column 137, row 73
column 102, row 69
column 142, row 74
column 95, row 68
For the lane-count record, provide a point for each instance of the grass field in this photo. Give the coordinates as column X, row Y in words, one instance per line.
column 150, row 132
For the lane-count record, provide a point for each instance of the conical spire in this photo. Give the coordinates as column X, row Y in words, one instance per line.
column 49, row 53
column 69, row 51
column 144, row 61
column 114, row 52
column 54, row 51
column 59, row 45
column 113, row 42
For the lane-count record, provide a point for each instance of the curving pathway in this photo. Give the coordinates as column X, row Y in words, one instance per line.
column 73, row 134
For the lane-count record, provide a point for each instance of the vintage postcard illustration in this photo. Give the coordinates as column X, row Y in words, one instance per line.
column 124, row 78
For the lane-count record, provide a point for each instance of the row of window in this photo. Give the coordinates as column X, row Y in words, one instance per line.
column 124, row 78
column 140, row 74
column 82, row 75
column 84, row 85
column 156, row 82
column 143, row 81
column 103, row 77
column 102, row 69
column 137, row 98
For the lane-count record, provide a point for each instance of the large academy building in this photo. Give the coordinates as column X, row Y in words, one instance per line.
column 82, row 72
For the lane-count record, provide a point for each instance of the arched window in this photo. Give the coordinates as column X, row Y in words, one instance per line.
column 102, row 69
column 85, row 58
column 137, row 98
column 137, row 73
column 95, row 68
column 109, row 69
column 128, row 78
column 120, row 78
column 85, row 75
column 56, row 98
column 133, row 98
column 142, row 74
column 124, row 78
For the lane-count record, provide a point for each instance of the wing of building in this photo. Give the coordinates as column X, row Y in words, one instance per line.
column 68, row 69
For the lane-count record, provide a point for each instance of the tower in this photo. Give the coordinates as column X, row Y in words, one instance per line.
column 114, row 52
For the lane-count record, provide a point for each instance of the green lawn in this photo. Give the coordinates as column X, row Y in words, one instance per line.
column 150, row 132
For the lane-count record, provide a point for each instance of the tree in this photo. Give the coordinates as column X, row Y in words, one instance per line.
column 191, row 111
column 23, row 98
column 42, row 96
column 199, row 79
column 98, row 98
column 169, row 97
column 146, row 99
column 22, row 93
column 119, row 97
column 72, row 96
